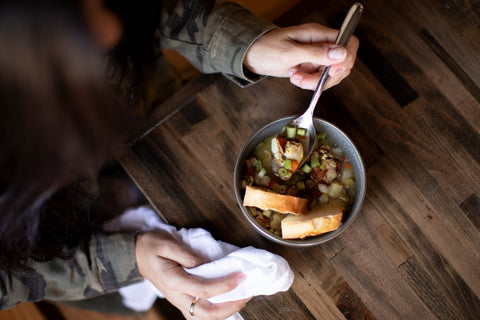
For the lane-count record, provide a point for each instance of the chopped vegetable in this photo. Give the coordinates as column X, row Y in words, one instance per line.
column 323, row 198
column 267, row 213
column 349, row 182
column 321, row 136
column 310, row 183
column 277, row 188
column 291, row 132
column 282, row 172
column 287, row 164
column 306, row 168
column 262, row 172
column 315, row 162
column 301, row 131
column 265, row 181
column 335, row 189
column 300, row 185
column 294, row 165
column 258, row 165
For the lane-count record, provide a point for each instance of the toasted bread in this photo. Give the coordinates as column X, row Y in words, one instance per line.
column 269, row 200
column 323, row 218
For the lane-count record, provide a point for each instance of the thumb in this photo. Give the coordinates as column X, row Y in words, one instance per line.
column 321, row 54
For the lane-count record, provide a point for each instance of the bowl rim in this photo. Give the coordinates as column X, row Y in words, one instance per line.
column 314, row 240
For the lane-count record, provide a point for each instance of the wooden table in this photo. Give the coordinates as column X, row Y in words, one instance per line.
column 411, row 105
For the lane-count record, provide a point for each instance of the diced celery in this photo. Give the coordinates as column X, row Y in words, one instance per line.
column 315, row 162
column 307, row 169
column 291, row 132
column 301, row 131
column 282, row 172
column 287, row 164
column 257, row 164
column 321, row 136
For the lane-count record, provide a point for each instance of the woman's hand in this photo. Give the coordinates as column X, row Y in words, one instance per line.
column 161, row 259
column 300, row 52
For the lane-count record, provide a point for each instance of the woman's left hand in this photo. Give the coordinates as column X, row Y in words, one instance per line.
column 300, row 52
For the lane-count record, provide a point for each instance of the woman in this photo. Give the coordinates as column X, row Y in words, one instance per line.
column 60, row 119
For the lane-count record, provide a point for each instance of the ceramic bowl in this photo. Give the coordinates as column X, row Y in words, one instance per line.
column 340, row 140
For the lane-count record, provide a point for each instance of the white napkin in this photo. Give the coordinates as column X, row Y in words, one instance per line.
column 266, row 273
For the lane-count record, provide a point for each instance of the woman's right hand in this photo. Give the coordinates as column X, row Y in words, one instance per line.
column 161, row 258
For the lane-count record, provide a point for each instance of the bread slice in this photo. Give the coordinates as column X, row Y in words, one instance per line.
column 269, row 200
column 323, row 218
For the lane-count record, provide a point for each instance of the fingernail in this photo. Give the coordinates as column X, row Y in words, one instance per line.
column 291, row 72
column 336, row 53
column 340, row 70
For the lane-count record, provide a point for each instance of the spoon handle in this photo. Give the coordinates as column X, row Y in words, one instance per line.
column 349, row 24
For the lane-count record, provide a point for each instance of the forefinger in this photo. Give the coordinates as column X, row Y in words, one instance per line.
column 175, row 278
column 313, row 33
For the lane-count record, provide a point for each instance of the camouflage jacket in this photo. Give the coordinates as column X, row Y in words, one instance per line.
column 214, row 37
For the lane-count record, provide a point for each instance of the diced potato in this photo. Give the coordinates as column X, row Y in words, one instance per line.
column 335, row 189
column 323, row 188
column 267, row 213
column 265, row 181
column 323, row 198
column 276, row 221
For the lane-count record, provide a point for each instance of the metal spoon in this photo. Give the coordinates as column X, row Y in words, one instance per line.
column 305, row 120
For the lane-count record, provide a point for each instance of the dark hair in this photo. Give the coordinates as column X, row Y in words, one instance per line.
column 137, row 48
column 58, row 117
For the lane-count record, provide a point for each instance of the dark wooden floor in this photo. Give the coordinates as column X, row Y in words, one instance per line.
column 412, row 106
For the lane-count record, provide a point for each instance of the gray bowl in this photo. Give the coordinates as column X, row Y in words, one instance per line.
column 341, row 140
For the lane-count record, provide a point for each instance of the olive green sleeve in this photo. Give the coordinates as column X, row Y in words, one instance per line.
column 213, row 36
column 105, row 265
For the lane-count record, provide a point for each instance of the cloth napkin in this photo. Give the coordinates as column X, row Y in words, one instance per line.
column 266, row 273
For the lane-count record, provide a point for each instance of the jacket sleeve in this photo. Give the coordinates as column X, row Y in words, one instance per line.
column 213, row 36
column 107, row 264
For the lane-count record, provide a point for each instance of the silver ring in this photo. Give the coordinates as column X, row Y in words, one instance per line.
column 192, row 306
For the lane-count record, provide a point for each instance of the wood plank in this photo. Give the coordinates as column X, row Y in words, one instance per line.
column 471, row 207
column 373, row 251
column 318, row 283
column 144, row 125
column 434, row 252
